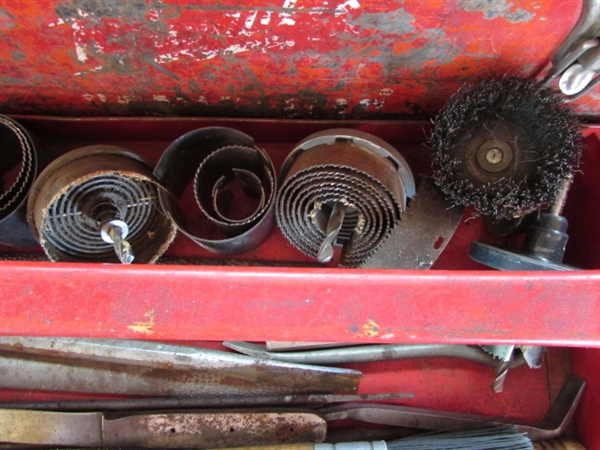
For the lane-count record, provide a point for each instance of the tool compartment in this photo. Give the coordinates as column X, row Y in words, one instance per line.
column 276, row 293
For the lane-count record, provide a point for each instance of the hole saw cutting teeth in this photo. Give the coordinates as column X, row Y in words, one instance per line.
column 504, row 146
column 233, row 183
column 20, row 162
column 342, row 188
column 99, row 204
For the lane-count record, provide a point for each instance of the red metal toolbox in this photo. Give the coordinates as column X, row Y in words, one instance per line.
column 141, row 74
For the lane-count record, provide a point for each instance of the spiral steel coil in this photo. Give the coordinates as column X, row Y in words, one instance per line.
column 342, row 187
column 84, row 191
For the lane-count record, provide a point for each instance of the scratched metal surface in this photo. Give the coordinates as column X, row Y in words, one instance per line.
column 285, row 59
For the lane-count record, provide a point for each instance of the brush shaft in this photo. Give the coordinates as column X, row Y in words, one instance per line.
column 376, row 445
column 306, row 446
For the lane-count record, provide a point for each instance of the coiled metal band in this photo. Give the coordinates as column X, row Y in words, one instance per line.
column 18, row 168
column 84, row 190
column 349, row 170
column 208, row 161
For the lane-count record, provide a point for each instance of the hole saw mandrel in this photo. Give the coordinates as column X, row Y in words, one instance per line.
column 99, row 204
column 342, row 187
column 504, row 146
column 543, row 249
column 544, row 245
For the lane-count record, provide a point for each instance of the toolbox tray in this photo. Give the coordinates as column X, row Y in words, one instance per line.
column 276, row 293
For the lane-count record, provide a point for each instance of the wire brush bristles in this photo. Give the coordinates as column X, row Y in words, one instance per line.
column 497, row 438
column 504, row 146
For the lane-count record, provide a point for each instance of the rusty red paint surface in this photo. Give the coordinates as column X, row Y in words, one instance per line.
column 216, row 303
column 293, row 58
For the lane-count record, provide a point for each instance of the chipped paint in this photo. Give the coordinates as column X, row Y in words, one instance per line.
column 125, row 99
column 369, row 329
column 498, row 8
column 250, row 19
column 285, row 59
column 81, row 55
column 145, row 326
column 95, row 69
column 396, row 22
column 286, row 19
column 349, row 4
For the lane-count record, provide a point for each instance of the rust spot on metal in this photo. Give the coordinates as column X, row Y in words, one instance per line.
column 145, row 326
column 397, row 21
column 369, row 329
column 131, row 11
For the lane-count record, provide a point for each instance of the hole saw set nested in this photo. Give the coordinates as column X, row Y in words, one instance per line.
column 99, row 203
column 507, row 148
column 342, row 187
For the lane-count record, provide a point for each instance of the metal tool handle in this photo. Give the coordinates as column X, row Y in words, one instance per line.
column 554, row 424
column 577, row 61
column 371, row 353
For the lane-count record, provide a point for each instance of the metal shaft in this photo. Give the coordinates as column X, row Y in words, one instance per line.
column 554, row 424
column 561, row 197
column 122, row 247
column 334, row 225
column 156, row 403
column 502, row 370
column 114, row 232
column 369, row 353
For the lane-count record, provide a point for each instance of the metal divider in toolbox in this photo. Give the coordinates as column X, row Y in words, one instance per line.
column 273, row 293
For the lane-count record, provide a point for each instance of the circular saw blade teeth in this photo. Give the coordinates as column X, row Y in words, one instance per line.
column 366, row 185
column 533, row 355
column 499, row 352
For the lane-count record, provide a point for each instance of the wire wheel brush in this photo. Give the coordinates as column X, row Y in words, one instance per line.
column 504, row 146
